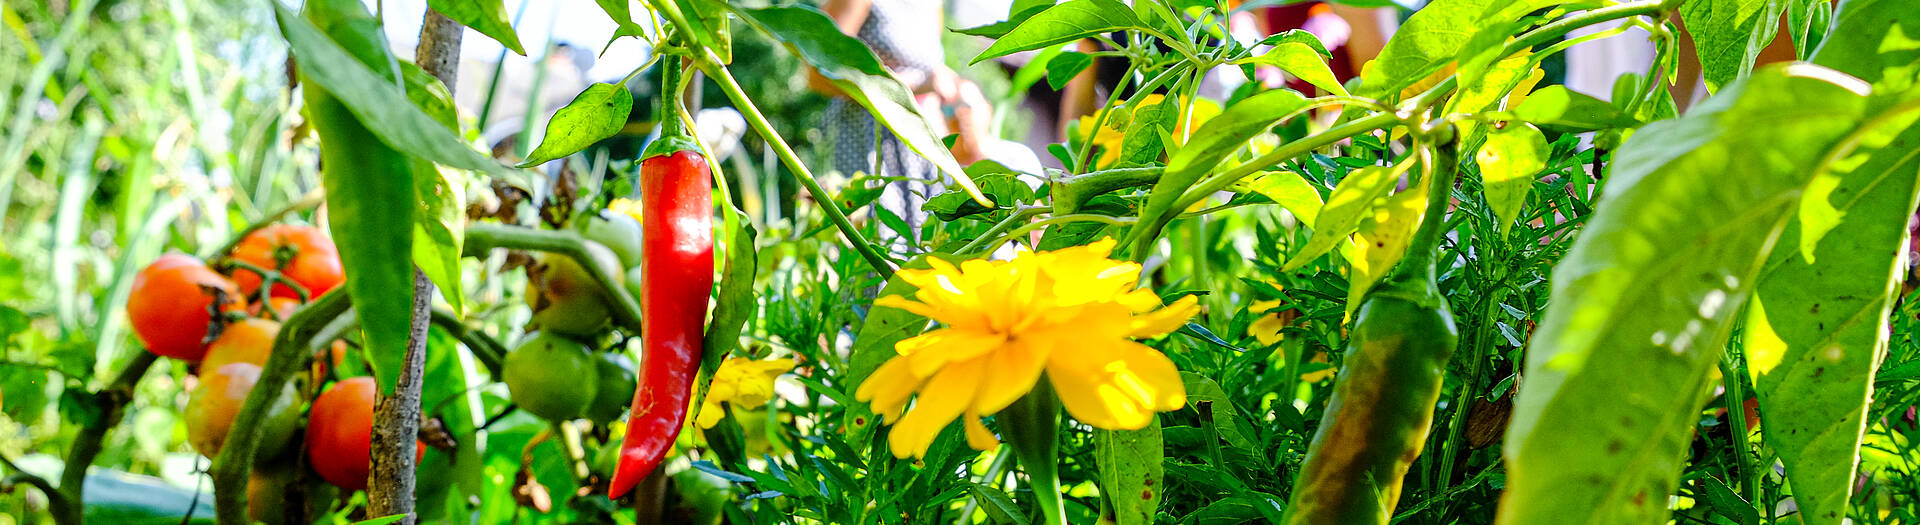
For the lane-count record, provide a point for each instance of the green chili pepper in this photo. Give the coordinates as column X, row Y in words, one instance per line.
column 1383, row 397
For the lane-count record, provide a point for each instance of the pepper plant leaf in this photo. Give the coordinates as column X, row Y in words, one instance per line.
column 596, row 113
column 1066, row 22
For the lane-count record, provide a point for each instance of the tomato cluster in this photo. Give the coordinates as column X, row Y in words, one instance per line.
column 554, row 372
column 223, row 319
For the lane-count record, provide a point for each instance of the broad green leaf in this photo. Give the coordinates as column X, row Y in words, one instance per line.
column 1067, row 22
column 1020, row 12
column 998, row 182
column 1876, row 40
column 1621, row 363
column 1149, row 133
column 1349, row 203
column 596, row 113
column 1486, row 91
column 1289, row 190
column 1065, row 66
column 1560, row 108
column 1131, row 471
column 369, row 189
column 1219, row 137
column 1381, row 241
column 378, row 102
column 1300, row 60
column 1298, row 36
column 1726, row 503
column 488, row 17
column 1509, row 160
column 1729, row 34
column 1428, row 41
column 1817, row 321
column 734, row 305
column 852, row 67
column 999, row 506
column 440, row 223
column 708, row 19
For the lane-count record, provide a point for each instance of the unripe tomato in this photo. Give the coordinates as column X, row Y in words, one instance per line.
column 301, row 253
column 617, row 383
column 551, row 376
column 565, row 298
column 247, row 341
column 617, row 232
column 211, row 410
column 168, row 305
column 340, row 433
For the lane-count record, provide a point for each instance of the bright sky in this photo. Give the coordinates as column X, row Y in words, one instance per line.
column 577, row 22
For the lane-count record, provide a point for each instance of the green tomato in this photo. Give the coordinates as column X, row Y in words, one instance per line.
column 565, row 298
column 701, row 496
column 617, row 383
column 617, row 232
column 551, row 376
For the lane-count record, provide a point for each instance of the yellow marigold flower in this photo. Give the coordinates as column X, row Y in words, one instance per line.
column 1070, row 314
column 742, row 382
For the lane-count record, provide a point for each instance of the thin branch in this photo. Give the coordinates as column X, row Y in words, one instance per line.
column 87, row 445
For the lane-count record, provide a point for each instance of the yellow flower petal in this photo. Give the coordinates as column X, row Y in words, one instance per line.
column 710, row 414
column 1115, row 385
column 929, row 351
column 978, row 436
column 940, row 402
column 888, row 388
column 1159, row 322
column 1015, row 368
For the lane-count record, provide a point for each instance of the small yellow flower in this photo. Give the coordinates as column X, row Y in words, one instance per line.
column 628, row 207
column 1070, row 314
column 742, row 382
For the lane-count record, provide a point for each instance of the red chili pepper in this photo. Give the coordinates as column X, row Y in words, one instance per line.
column 676, row 206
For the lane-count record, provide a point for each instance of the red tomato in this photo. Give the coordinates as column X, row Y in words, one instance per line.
column 340, row 433
column 169, row 305
column 301, row 253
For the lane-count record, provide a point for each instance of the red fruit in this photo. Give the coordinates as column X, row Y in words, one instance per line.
column 302, row 253
column 169, row 305
column 340, row 433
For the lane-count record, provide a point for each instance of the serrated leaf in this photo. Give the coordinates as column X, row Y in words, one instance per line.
column 1066, row 22
column 1646, row 296
column 596, row 113
column 377, row 102
column 1301, row 61
column 488, row 17
column 853, row 68
column 1509, row 160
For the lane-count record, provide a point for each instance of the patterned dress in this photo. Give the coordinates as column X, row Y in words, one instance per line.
column 905, row 34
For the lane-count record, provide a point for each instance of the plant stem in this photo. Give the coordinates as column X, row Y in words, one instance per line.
column 712, row 67
column 484, row 236
column 1073, row 191
column 91, row 439
column 290, row 353
column 1029, row 425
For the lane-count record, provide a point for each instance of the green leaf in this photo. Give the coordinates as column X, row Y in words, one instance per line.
column 1349, row 203
column 488, row 17
column 884, row 327
column 596, row 113
column 1728, row 504
column 999, row 29
column 376, row 100
column 1065, row 66
column 995, row 180
column 1509, row 160
column 1201, row 389
column 1289, row 190
column 1149, row 132
column 1620, row 364
column 370, row 192
column 852, row 67
column 735, row 305
column 1566, row 110
column 1729, row 34
column 1298, row 36
column 1876, row 40
column 999, row 506
column 441, row 220
column 1219, row 137
column 1131, row 471
column 622, row 15
column 1816, row 323
column 384, row 520
column 1066, row 22
column 1429, row 40
column 1303, row 61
